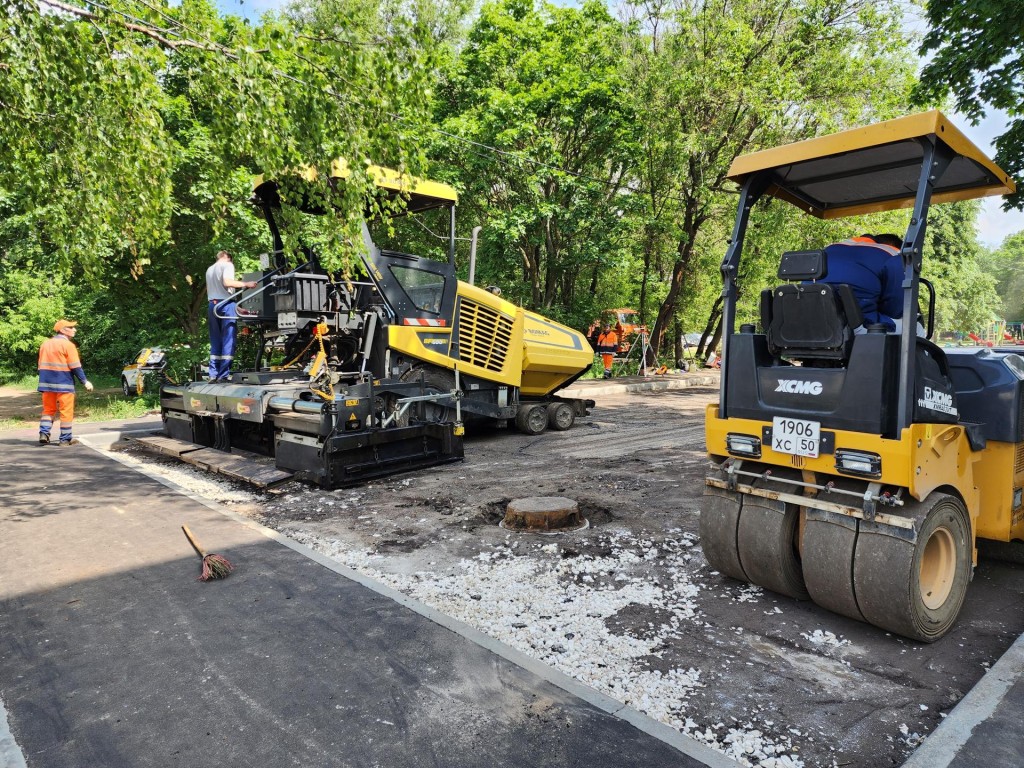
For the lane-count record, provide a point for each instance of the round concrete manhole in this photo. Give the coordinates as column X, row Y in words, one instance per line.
column 543, row 514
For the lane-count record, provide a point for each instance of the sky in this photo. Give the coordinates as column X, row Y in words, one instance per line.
column 994, row 224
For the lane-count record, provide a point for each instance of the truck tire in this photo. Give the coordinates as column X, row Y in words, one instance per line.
column 561, row 416
column 532, row 418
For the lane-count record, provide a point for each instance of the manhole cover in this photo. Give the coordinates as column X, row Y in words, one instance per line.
column 543, row 514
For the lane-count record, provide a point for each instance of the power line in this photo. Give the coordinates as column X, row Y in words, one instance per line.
column 209, row 44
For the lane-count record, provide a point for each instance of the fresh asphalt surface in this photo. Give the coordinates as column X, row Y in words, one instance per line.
column 113, row 654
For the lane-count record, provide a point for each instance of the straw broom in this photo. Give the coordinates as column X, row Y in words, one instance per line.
column 214, row 566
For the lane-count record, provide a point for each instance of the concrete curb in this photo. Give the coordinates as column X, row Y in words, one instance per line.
column 638, row 384
column 943, row 745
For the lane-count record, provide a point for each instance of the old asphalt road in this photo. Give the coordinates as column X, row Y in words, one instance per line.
column 112, row 654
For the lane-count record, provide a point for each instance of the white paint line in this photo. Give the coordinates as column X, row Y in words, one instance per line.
column 945, row 742
column 11, row 755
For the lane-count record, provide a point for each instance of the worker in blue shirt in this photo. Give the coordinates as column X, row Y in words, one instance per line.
column 873, row 268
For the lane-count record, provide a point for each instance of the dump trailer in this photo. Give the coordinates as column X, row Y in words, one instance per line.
column 376, row 375
column 860, row 469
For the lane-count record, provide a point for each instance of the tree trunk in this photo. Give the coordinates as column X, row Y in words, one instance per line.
column 712, row 329
column 693, row 218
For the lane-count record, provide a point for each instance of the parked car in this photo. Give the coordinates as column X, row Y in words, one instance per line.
column 149, row 360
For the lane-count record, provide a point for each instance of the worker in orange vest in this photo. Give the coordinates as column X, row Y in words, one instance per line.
column 607, row 346
column 59, row 366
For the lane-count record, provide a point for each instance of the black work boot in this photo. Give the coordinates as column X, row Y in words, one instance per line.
column 44, row 439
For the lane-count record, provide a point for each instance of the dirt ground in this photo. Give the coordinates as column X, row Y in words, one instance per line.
column 769, row 680
column 18, row 404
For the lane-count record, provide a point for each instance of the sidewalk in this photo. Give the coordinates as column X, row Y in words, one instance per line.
column 113, row 654
column 591, row 387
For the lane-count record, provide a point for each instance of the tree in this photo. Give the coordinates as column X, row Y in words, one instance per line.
column 965, row 291
column 1004, row 264
column 712, row 79
column 540, row 84
column 86, row 140
column 978, row 55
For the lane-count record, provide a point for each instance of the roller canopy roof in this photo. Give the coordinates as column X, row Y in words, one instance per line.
column 871, row 169
column 421, row 194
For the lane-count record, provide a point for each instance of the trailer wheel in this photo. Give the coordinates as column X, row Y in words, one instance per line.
column 561, row 416
column 532, row 419
column 916, row 588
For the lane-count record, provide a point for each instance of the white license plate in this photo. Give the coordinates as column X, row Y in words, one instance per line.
column 796, row 437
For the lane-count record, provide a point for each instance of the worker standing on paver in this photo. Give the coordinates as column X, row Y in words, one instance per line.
column 221, row 313
column 59, row 365
column 607, row 346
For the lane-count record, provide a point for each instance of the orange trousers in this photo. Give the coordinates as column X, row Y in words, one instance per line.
column 59, row 402
column 607, row 360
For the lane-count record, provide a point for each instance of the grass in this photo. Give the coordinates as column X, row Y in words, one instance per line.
column 102, row 404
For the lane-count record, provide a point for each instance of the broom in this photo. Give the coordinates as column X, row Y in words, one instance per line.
column 214, row 566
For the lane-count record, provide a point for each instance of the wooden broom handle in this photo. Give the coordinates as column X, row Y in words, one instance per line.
column 192, row 540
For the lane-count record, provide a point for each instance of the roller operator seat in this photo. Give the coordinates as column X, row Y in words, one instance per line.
column 809, row 321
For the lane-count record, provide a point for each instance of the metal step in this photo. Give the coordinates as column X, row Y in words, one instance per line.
column 258, row 473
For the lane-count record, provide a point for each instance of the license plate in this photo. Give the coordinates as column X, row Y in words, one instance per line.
column 796, row 437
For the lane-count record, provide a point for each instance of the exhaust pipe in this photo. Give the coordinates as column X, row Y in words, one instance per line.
column 472, row 256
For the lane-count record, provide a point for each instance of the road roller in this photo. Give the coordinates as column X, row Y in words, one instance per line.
column 854, row 465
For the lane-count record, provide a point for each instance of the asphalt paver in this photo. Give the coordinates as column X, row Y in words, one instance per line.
column 112, row 653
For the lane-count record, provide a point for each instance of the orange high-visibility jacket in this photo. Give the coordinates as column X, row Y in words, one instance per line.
column 58, row 364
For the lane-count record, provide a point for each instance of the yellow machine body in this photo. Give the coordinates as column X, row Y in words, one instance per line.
column 498, row 341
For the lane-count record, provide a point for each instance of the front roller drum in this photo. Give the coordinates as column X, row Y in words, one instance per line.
column 753, row 539
column 829, row 543
column 916, row 587
column 719, row 520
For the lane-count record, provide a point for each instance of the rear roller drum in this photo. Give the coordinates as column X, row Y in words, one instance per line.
column 719, row 519
column 916, row 588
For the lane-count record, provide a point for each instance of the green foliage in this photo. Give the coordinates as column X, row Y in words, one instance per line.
column 133, row 131
column 966, row 297
column 712, row 79
column 1004, row 265
column 977, row 54
column 541, row 84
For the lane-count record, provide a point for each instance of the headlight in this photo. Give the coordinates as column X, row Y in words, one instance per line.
column 743, row 445
column 858, row 463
